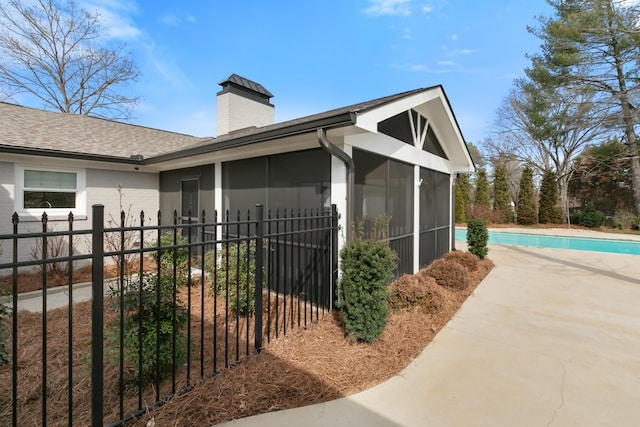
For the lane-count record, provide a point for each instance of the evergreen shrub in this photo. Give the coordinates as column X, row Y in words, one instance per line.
column 5, row 312
column 170, row 259
column 477, row 238
column 576, row 216
column 367, row 267
column 235, row 275
column 154, row 323
column 592, row 218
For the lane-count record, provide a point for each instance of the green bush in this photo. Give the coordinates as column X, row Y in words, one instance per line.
column 592, row 218
column 626, row 219
column 5, row 312
column 178, row 257
column 235, row 273
column 157, row 324
column 367, row 266
column 477, row 238
column 576, row 216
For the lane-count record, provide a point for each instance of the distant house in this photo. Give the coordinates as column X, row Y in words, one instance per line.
column 396, row 156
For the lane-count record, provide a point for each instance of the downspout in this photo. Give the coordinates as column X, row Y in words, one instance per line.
column 332, row 149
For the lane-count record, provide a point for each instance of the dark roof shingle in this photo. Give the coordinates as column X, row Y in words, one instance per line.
column 39, row 129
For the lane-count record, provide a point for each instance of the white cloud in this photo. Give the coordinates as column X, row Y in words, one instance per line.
column 171, row 20
column 454, row 37
column 407, row 34
column 426, row 8
column 167, row 69
column 417, row 68
column 175, row 21
column 116, row 17
column 389, row 7
column 446, row 63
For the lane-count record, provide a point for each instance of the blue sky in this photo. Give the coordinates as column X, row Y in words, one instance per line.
column 318, row 55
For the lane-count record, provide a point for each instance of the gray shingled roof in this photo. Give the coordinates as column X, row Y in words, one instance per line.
column 29, row 128
column 45, row 130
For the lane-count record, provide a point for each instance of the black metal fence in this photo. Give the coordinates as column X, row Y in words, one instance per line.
column 188, row 301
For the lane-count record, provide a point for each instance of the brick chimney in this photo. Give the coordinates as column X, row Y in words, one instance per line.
column 243, row 103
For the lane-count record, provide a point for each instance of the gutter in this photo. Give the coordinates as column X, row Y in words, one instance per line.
column 262, row 135
column 332, row 149
column 45, row 152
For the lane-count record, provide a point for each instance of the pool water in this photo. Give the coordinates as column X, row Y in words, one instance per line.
column 559, row 242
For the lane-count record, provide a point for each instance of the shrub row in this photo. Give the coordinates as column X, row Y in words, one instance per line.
column 424, row 290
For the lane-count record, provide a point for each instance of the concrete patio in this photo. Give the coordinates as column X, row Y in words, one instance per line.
column 550, row 338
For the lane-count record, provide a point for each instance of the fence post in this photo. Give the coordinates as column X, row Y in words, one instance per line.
column 259, row 270
column 97, row 315
column 334, row 256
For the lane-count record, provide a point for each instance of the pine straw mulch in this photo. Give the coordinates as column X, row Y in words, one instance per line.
column 299, row 368
column 32, row 280
column 312, row 366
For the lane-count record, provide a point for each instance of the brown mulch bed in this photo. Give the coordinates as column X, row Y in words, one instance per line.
column 312, row 366
column 32, row 281
column 300, row 368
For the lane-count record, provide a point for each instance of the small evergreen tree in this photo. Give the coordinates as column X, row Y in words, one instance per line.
column 527, row 210
column 503, row 212
column 367, row 267
column 461, row 208
column 549, row 212
column 478, row 237
column 482, row 204
column 465, row 194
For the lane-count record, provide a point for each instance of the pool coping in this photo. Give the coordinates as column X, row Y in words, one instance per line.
column 565, row 232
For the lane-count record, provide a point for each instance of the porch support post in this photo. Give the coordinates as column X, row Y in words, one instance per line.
column 416, row 218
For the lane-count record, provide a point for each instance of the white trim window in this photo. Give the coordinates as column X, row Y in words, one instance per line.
column 55, row 191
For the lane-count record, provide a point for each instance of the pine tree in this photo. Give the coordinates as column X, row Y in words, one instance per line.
column 503, row 212
column 548, row 211
column 527, row 212
column 482, row 203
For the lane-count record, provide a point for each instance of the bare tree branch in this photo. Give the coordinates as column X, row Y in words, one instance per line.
column 54, row 51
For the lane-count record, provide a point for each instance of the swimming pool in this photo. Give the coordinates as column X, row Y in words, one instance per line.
column 559, row 242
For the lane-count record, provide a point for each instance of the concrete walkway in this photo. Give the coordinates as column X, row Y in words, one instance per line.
column 550, row 338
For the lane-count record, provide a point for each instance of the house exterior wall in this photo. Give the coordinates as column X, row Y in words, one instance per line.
column 7, row 189
column 170, row 191
column 139, row 191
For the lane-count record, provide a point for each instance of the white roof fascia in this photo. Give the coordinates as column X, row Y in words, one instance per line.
column 370, row 119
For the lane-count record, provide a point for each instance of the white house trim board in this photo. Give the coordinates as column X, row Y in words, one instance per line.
column 369, row 120
column 390, row 147
column 217, row 196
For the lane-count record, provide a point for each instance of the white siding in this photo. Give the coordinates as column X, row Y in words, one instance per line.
column 237, row 112
column 139, row 192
